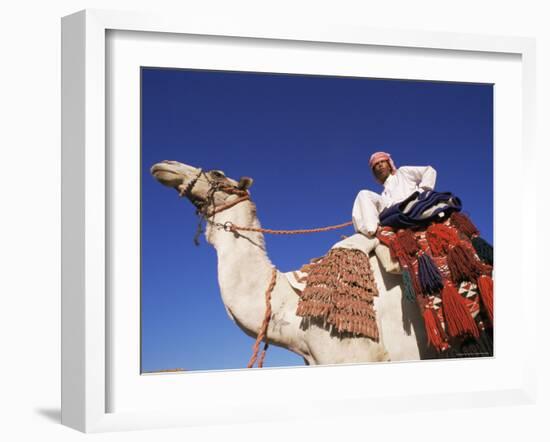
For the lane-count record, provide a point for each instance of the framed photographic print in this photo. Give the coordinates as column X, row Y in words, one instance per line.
column 216, row 189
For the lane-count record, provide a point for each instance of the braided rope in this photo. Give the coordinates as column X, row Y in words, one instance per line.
column 234, row 228
column 263, row 329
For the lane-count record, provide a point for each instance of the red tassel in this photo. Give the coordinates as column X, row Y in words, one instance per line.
column 396, row 251
column 440, row 237
column 464, row 224
column 407, row 240
column 457, row 316
column 432, row 330
column 413, row 271
column 463, row 264
column 485, row 284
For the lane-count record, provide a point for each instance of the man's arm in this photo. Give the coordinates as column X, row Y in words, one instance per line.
column 423, row 176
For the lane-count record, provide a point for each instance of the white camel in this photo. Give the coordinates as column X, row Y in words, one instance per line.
column 244, row 273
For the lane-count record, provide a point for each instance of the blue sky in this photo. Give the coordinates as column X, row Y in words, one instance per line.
column 306, row 141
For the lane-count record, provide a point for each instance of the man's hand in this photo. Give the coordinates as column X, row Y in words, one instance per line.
column 372, row 235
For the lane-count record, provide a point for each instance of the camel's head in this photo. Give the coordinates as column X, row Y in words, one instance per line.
column 201, row 187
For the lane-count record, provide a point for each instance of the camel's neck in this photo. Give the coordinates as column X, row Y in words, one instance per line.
column 238, row 247
column 244, row 269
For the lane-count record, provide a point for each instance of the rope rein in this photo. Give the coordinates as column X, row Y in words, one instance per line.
column 262, row 334
column 230, row 227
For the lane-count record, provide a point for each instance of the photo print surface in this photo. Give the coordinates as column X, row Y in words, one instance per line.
column 292, row 152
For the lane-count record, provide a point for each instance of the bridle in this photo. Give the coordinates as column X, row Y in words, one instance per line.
column 207, row 209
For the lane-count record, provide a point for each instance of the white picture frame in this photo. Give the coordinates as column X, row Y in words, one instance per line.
column 86, row 353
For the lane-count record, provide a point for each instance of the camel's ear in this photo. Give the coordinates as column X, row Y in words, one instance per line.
column 245, row 182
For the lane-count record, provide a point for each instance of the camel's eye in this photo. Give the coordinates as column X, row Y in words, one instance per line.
column 217, row 174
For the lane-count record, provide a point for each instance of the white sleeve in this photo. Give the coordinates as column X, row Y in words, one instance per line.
column 366, row 208
column 423, row 176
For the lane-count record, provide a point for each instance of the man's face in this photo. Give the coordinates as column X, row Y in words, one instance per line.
column 382, row 170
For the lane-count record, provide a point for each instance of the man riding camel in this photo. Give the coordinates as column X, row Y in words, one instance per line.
column 405, row 183
column 399, row 184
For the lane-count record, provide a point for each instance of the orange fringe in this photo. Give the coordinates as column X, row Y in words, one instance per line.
column 340, row 290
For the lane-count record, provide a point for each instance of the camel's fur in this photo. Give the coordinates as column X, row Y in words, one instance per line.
column 244, row 272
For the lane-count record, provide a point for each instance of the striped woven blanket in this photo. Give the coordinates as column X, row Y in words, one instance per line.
column 420, row 209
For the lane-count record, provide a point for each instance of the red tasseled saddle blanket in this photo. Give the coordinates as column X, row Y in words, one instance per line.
column 450, row 277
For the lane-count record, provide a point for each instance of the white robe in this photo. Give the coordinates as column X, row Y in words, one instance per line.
column 397, row 187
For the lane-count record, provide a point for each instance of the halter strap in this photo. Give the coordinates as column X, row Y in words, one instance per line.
column 203, row 208
column 227, row 205
column 186, row 191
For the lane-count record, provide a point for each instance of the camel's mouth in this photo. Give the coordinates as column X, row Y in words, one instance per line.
column 177, row 176
column 166, row 174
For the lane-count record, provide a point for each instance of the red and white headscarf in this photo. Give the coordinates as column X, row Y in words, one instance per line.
column 381, row 156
